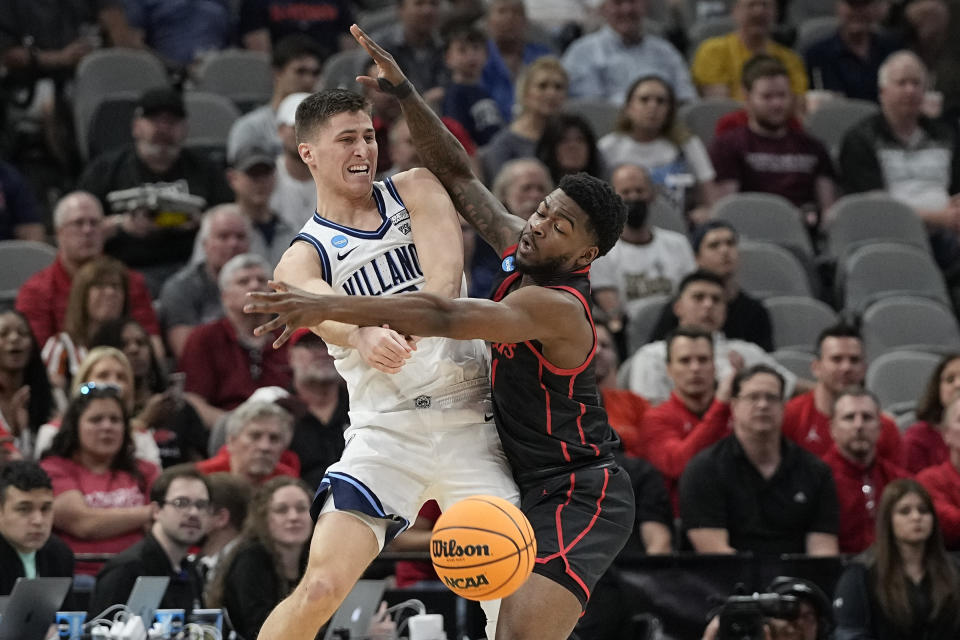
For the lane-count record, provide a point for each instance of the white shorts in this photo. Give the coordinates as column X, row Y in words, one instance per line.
column 386, row 473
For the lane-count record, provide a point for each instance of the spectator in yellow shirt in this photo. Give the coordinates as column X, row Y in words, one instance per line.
column 718, row 62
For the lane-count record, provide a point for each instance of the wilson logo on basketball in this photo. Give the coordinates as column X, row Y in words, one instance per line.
column 450, row 549
column 466, row 583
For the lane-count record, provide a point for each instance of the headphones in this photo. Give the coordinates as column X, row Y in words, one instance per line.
column 809, row 592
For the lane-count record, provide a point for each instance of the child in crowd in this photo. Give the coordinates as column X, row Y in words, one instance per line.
column 465, row 100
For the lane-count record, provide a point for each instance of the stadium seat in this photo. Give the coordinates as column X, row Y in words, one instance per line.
column 21, row 259
column 908, row 323
column 796, row 362
column 898, row 378
column 642, row 317
column 797, row 321
column 767, row 270
column 340, row 71
column 863, row 218
column 665, row 215
column 885, row 269
column 799, row 11
column 701, row 116
column 600, row 114
column 243, row 76
column 831, row 121
column 107, row 72
column 813, row 30
column 766, row 217
column 373, row 21
column 705, row 28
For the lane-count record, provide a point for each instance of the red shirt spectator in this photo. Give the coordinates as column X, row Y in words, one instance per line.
column 740, row 118
column 858, row 493
column 625, row 413
column 411, row 572
column 924, row 447
column 224, row 372
column 810, row 428
column 101, row 491
column 672, row 435
column 943, row 483
column 43, row 299
column 289, row 464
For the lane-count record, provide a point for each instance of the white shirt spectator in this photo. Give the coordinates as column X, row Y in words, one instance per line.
column 640, row 270
column 293, row 200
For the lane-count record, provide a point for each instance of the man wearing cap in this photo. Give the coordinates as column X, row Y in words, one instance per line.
column 191, row 297
column 715, row 246
column 155, row 244
column 296, row 61
column 295, row 198
column 253, row 178
column 848, row 61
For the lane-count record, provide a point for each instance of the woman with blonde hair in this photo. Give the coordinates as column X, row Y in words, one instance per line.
column 99, row 293
column 107, row 365
column 541, row 94
column 905, row 586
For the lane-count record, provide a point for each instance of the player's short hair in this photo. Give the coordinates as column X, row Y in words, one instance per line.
column 253, row 410
column 24, row 475
column 759, row 66
column 838, row 330
column 693, row 333
column 292, row 47
column 316, row 109
column 600, row 202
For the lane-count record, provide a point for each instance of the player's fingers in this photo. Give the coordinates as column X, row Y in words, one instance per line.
column 368, row 82
column 269, row 326
column 279, row 285
column 287, row 332
column 397, row 346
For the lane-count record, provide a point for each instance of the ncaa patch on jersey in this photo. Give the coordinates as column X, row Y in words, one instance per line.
column 339, row 241
column 508, row 264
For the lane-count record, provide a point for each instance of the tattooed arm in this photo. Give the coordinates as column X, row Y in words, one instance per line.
column 443, row 155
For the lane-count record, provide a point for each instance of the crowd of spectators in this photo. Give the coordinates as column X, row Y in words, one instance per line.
column 142, row 421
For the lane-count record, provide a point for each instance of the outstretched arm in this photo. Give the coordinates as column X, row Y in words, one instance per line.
column 527, row 314
column 442, row 154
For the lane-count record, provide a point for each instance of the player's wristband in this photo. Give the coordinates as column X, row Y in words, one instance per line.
column 399, row 91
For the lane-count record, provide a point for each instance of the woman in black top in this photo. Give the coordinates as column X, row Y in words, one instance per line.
column 904, row 587
column 269, row 558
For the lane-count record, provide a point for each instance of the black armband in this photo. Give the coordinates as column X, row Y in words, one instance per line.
column 399, row 91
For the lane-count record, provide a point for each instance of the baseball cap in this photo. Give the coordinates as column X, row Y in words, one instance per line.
column 247, row 158
column 161, row 100
column 287, row 111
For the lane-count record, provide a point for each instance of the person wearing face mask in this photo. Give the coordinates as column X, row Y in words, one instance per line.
column 646, row 261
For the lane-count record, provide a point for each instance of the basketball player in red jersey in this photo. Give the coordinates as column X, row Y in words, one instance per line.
column 546, row 404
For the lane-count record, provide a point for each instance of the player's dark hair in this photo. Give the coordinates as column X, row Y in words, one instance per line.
column 293, row 46
column 759, row 66
column 602, row 205
column 24, row 475
column 839, row 330
column 693, row 333
column 700, row 275
column 746, row 374
column 318, row 108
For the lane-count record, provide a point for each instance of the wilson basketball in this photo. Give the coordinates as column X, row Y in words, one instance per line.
column 483, row 548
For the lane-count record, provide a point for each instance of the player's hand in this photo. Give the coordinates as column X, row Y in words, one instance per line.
column 382, row 348
column 387, row 67
column 295, row 309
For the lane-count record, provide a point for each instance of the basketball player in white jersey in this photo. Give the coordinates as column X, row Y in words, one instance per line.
column 420, row 414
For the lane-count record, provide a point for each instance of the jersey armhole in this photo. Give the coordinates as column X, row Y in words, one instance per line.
column 392, row 189
column 321, row 252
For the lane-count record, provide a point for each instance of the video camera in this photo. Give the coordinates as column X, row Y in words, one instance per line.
column 742, row 617
column 168, row 204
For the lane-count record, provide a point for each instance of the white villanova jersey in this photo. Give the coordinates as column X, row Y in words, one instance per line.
column 442, row 373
